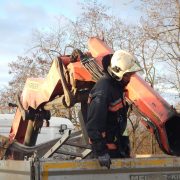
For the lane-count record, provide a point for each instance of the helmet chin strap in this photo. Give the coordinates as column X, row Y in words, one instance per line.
column 112, row 74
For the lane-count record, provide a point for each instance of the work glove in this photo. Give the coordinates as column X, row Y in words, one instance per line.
column 105, row 160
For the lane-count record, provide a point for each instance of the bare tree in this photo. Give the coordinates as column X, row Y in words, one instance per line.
column 161, row 23
column 53, row 41
column 21, row 69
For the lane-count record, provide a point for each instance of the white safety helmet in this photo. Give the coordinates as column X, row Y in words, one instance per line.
column 123, row 62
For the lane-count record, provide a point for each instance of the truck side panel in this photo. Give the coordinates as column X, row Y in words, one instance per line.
column 126, row 169
column 146, row 168
column 15, row 170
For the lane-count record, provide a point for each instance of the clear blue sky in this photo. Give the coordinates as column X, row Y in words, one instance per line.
column 18, row 18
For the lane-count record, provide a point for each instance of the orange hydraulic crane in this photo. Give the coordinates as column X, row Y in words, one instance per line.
column 69, row 81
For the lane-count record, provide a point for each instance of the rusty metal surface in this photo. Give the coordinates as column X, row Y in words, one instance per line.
column 4, row 145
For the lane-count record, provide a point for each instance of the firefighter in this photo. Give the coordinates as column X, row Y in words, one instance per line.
column 107, row 108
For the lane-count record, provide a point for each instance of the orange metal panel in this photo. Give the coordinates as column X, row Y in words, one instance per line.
column 78, row 72
column 98, row 49
column 38, row 90
column 151, row 105
column 35, row 92
column 148, row 101
column 18, row 128
column 66, row 60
